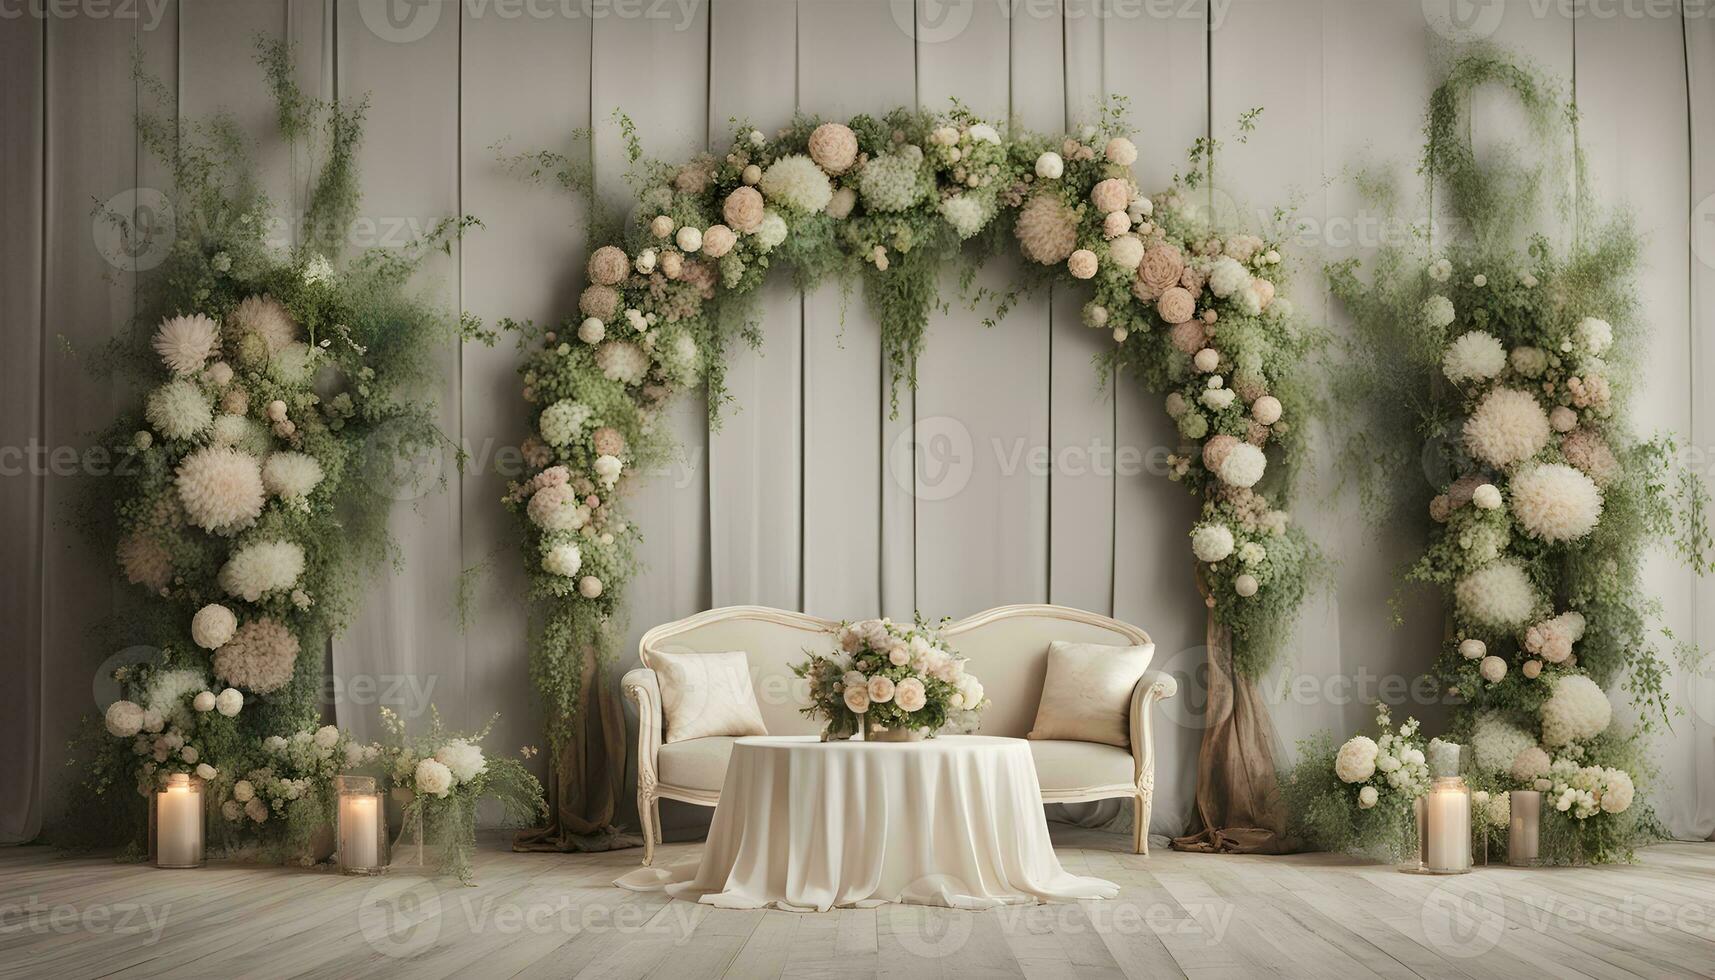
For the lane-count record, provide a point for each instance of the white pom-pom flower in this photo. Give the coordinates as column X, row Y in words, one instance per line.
column 1243, row 466
column 262, row 567
column 1227, row 276
column 185, row 343
column 178, row 410
column 1576, row 710
column 1509, row 426
column 796, row 182
column 291, row 475
column 1555, row 502
column 229, row 702
column 1050, row 166
column 563, row 559
column 1474, row 356
column 213, row 625
column 1211, row 542
column 220, row 489
column 1499, row 595
column 1529, row 764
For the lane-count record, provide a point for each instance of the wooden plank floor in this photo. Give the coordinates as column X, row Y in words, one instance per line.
column 1179, row 915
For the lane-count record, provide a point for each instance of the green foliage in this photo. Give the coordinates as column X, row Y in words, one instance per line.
column 1563, row 321
column 305, row 361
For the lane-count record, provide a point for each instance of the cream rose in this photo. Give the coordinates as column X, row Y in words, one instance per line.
column 909, row 694
column 1161, row 268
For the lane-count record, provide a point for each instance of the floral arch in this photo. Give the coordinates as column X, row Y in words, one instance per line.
column 889, row 201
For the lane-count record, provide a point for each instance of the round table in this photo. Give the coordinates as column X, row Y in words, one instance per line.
column 803, row 824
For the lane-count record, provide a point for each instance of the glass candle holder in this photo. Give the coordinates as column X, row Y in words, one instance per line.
column 177, row 827
column 1524, row 829
column 361, row 846
column 1444, row 815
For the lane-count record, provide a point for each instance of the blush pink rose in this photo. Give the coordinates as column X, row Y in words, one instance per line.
column 1176, row 305
column 1161, row 268
column 909, row 694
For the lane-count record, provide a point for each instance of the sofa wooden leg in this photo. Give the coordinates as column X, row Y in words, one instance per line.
column 647, row 814
column 1140, row 826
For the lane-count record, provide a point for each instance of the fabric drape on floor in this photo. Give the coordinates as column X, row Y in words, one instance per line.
column 1238, row 795
column 586, row 781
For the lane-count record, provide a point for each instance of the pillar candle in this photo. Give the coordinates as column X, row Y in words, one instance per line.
column 1447, row 821
column 359, row 831
column 1524, row 833
column 178, row 827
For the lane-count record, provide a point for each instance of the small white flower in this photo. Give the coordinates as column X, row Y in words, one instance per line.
column 1367, row 797
column 689, row 239
column 1486, row 497
column 203, row 703
column 591, row 331
column 1049, row 166
column 229, row 702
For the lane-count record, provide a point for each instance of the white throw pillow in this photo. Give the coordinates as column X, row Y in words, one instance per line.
column 1086, row 696
column 705, row 694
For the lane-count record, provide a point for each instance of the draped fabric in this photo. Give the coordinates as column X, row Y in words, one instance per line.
column 807, row 825
column 586, row 781
column 1238, row 794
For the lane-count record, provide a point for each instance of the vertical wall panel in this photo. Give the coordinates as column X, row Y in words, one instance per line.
column 980, row 484
column 655, row 69
column 527, row 263
column 1376, row 78
column 1081, row 410
column 1632, row 101
column 845, row 403
column 23, row 487
column 755, row 462
column 1158, row 60
column 87, row 298
column 220, row 74
column 1698, row 689
column 1269, row 55
column 404, row 648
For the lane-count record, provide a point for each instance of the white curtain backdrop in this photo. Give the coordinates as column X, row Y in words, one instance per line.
column 1007, row 476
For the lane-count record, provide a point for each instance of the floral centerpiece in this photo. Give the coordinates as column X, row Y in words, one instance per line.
column 1360, row 798
column 438, row 778
column 891, row 681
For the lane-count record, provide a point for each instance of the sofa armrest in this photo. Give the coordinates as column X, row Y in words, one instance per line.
column 1154, row 686
column 642, row 689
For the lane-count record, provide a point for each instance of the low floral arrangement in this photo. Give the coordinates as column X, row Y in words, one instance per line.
column 1360, row 798
column 439, row 777
column 1196, row 312
column 890, row 678
column 1515, row 365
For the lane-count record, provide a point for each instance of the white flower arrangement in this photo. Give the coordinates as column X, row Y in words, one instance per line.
column 891, row 677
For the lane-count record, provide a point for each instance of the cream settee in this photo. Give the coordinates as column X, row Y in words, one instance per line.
column 1008, row 652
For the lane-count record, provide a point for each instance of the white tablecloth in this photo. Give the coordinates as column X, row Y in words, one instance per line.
column 803, row 824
